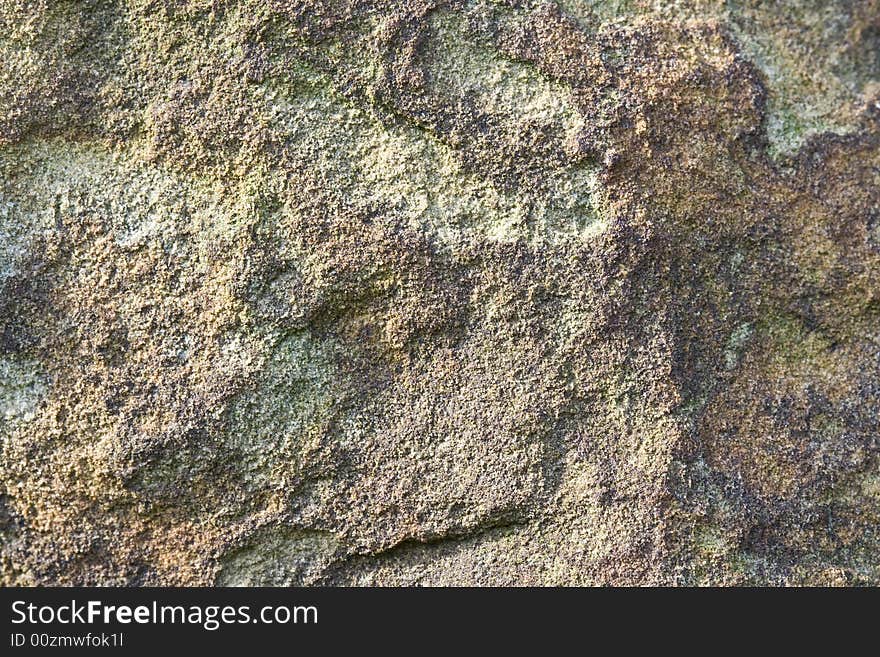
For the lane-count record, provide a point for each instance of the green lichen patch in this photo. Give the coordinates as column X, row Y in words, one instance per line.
column 277, row 557
column 22, row 386
column 272, row 429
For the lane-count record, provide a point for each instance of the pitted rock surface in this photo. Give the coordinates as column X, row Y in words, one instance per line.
column 439, row 292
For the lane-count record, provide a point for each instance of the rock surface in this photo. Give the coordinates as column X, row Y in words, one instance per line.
column 439, row 292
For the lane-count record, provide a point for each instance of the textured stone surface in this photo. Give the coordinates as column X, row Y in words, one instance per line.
column 466, row 292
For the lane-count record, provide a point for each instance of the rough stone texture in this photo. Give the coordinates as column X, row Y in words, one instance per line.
column 465, row 292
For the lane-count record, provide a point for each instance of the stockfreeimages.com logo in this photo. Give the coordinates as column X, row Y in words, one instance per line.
column 210, row 617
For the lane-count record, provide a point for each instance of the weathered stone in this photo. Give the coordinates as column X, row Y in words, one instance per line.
column 439, row 292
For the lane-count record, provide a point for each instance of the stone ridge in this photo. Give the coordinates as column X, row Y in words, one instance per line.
column 439, row 292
